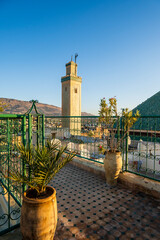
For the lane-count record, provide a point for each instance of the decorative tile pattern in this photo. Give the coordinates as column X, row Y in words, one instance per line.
column 89, row 209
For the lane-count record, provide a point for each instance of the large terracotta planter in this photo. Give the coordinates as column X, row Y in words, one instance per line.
column 113, row 166
column 39, row 216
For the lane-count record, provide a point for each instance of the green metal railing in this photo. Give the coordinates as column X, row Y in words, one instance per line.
column 140, row 149
column 14, row 130
column 76, row 133
column 144, row 150
column 11, row 133
column 82, row 135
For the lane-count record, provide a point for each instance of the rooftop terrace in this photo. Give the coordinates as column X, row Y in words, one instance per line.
column 89, row 209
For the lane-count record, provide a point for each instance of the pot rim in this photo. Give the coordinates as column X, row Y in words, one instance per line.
column 110, row 152
column 41, row 200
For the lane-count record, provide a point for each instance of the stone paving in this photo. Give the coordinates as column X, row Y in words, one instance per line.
column 89, row 209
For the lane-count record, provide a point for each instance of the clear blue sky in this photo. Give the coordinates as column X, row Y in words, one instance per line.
column 118, row 43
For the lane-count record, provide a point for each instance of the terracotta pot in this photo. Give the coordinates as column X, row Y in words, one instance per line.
column 39, row 216
column 113, row 166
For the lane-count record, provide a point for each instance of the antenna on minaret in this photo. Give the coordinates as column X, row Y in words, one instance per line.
column 76, row 55
column 71, row 58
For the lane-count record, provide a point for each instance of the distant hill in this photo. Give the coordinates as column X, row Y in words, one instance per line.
column 150, row 107
column 21, row 107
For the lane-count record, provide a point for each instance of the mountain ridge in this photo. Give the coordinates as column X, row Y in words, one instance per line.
column 15, row 106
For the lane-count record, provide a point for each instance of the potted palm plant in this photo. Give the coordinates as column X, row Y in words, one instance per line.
column 39, row 207
column 109, row 117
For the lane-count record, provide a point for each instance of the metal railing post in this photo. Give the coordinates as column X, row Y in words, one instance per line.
column 24, row 143
column 8, row 148
column 29, row 135
column 126, row 162
column 38, row 122
column 118, row 131
column 43, row 130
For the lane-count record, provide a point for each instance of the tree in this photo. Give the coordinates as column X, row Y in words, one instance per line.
column 2, row 106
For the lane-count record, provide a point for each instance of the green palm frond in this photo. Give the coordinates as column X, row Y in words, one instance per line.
column 27, row 154
column 43, row 162
column 19, row 178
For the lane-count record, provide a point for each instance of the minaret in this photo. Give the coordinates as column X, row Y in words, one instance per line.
column 71, row 98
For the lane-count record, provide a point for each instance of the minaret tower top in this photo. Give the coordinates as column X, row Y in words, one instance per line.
column 71, row 69
column 71, row 72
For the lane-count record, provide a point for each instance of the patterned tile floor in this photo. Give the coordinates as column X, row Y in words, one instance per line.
column 89, row 209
